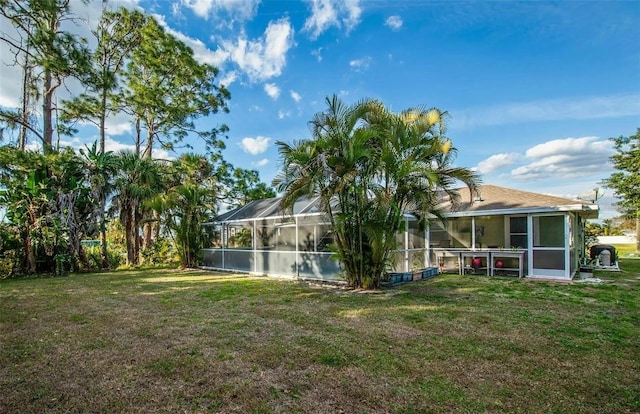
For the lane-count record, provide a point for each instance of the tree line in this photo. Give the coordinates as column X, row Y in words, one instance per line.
column 53, row 198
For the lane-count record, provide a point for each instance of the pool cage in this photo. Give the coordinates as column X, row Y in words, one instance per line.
column 260, row 238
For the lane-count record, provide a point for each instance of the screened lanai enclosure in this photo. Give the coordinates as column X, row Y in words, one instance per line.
column 500, row 231
column 261, row 238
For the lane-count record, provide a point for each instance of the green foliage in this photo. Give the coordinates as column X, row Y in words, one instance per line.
column 56, row 53
column 591, row 233
column 56, row 199
column 189, row 202
column 369, row 166
column 626, row 180
column 245, row 187
column 117, row 35
column 138, row 180
column 48, row 206
column 161, row 252
column 166, row 89
column 9, row 247
column 242, row 239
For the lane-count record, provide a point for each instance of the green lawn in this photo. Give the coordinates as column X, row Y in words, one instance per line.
column 192, row 341
column 625, row 250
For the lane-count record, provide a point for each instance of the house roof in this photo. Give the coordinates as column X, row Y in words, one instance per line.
column 500, row 200
column 489, row 200
column 270, row 207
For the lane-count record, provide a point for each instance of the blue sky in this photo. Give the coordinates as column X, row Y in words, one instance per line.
column 534, row 89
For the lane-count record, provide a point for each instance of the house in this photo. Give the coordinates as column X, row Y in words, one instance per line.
column 496, row 231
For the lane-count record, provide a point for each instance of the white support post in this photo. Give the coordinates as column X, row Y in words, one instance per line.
column 529, row 245
column 473, row 232
column 427, row 245
column 406, row 245
column 315, row 237
column 224, row 242
column 297, row 248
column 255, row 247
column 567, row 247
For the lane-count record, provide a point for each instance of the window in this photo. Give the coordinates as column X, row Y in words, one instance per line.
column 416, row 236
column 549, row 231
column 518, row 232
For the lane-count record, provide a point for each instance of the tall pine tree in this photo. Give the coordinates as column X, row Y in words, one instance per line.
column 54, row 53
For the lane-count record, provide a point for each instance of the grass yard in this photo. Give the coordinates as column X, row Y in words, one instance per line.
column 625, row 250
column 191, row 341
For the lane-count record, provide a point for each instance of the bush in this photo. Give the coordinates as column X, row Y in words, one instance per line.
column 160, row 252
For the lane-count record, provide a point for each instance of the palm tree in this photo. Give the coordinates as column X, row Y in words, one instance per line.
column 138, row 179
column 189, row 207
column 100, row 167
column 369, row 166
column 415, row 166
column 335, row 165
column 188, row 203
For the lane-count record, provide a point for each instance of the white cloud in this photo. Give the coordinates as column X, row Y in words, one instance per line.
column 568, row 145
column 353, row 12
column 272, row 90
column 295, row 96
column 112, row 145
column 317, row 53
column 256, row 145
column 497, row 161
column 323, row 16
column 260, row 59
column 116, row 146
column 566, row 158
column 265, row 57
column 228, row 78
column 282, row 114
column 332, row 13
column 175, row 10
column 201, row 52
column 237, row 9
column 360, row 65
column 199, row 7
column 613, row 106
column 260, row 163
column 118, row 124
column 394, row 22
column 77, row 143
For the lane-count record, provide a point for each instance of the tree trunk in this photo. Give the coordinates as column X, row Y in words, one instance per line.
column 104, row 256
column 149, row 146
column 148, row 231
column 130, row 244
column 103, row 116
column 137, row 136
column 156, row 229
column 128, row 233
column 136, row 235
column 47, row 111
column 638, row 231
column 26, row 81
column 30, row 257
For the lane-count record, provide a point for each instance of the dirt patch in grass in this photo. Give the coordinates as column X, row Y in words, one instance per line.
column 166, row 341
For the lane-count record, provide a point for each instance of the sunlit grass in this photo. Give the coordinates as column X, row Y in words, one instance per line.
column 627, row 250
column 192, row 341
